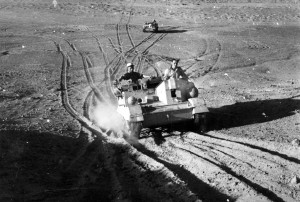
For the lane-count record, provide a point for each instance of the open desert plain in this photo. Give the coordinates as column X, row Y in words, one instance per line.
column 61, row 138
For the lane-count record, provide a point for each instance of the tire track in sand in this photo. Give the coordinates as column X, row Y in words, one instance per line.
column 229, row 165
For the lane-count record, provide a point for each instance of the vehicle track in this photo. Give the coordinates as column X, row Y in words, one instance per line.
column 206, row 61
column 230, row 165
column 87, row 65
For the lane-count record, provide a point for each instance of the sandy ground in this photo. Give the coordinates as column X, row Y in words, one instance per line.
column 61, row 138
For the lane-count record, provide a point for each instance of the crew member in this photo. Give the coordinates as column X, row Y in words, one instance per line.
column 174, row 71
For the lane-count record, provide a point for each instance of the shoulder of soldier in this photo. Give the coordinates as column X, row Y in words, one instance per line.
column 126, row 75
column 179, row 68
column 136, row 73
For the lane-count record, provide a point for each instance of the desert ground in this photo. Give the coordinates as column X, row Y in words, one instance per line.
column 61, row 138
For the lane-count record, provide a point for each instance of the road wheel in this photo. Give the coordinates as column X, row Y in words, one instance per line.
column 200, row 122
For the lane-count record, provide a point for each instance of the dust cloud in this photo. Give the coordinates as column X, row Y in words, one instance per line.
column 107, row 117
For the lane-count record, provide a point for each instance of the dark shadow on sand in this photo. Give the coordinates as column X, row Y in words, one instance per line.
column 246, row 113
column 168, row 30
column 48, row 166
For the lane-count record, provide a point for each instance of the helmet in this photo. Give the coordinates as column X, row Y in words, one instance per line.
column 129, row 64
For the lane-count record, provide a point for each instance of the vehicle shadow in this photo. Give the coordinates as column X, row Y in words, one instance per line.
column 239, row 114
column 245, row 113
column 170, row 31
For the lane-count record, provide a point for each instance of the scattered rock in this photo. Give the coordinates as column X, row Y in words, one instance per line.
column 296, row 142
column 37, row 96
column 54, row 3
column 295, row 180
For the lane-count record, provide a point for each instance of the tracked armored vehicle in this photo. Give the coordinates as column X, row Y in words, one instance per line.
column 150, row 26
column 152, row 104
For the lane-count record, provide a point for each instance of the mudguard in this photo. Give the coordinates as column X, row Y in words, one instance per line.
column 198, row 105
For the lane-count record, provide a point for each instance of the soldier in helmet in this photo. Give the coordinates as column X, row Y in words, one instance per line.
column 132, row 75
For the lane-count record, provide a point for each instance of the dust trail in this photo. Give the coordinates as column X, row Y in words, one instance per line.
column 106, row 116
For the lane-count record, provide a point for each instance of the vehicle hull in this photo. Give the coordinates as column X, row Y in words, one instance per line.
column 156, row 107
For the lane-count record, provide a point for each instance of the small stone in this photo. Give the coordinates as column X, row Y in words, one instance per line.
column 295, row 180
column 295, row 142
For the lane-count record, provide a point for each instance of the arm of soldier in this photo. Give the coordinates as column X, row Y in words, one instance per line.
column 166, row 74
column 123, row 77
column 145, row 76
column 141, row 76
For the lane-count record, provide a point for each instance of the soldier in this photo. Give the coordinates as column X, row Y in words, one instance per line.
column 132, row 75
column 174, row 71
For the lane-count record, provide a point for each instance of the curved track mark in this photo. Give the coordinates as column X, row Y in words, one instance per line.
column 90, row 80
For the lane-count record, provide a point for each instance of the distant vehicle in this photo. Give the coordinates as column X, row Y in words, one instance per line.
column 150, row 104
column 150, row 26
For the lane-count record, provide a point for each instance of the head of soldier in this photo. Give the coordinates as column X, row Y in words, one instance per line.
column 174, row 63
column 130, row 67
